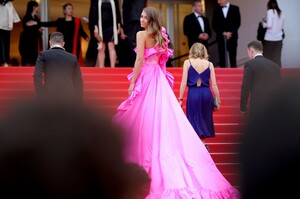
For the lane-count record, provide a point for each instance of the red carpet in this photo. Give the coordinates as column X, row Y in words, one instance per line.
column 107, row 88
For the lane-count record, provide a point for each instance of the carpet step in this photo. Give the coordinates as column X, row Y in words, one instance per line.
column 233, row 179
column 225, row 157
column 224, row 138
column 116, row 101
column 222, row 147
column 228, row 167
column 224, row 110
column 105, row 77
column 108, row 85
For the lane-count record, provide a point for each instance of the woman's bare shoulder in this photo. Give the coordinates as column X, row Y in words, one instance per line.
column 141, row 33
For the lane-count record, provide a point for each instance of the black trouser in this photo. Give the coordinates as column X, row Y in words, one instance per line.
column 92, row 52
column 272, row 51
column 4, row 46
column 231, row 45
column 130, row 29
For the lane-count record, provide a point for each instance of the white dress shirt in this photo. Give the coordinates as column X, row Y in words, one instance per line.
column 225, row 9
column 200, row 20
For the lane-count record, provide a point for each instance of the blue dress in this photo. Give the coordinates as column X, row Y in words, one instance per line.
column 199, row 104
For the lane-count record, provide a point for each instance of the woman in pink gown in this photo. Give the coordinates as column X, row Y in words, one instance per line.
column 158, row 135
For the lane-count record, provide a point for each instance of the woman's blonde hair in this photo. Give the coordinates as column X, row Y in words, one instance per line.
column 154, row 27
column 198, row 50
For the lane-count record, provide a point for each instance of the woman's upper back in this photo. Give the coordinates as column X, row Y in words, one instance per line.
column 198, row 68
column 275, row 23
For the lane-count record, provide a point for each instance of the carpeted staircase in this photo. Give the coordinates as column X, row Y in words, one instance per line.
column 106, row 88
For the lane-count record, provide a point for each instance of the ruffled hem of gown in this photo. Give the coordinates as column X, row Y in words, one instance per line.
column 184, row 193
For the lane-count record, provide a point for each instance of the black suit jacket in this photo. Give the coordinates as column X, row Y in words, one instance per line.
column 57, row 74
column 231, row 23
column 261, row 76
column 192, row 29
column 132, row 10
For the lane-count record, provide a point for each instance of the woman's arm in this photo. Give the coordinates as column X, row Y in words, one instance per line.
column 214, row 82
column 49, row 23
column 183, row 81
column 269, row 19
column 140, row 40
column 82, row 33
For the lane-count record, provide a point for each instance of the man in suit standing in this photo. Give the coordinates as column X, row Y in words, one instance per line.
column 261, row 77
column 57, row 74
column 196, row 26
column 226, row 22
column 131, row 13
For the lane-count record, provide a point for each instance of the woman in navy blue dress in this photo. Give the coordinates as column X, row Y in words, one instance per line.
column 199, row 75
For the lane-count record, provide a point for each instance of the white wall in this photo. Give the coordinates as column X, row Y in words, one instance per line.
column 253, row 11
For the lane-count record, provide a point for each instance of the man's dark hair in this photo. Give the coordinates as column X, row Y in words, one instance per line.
column 57, row 37
column 256, row 45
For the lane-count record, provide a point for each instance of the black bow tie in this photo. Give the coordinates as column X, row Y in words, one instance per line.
column 199, row 16
column 224, row 6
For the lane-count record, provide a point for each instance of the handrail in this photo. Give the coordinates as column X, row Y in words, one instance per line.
column 180, row 56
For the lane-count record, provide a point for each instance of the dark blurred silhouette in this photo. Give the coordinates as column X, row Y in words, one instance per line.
column 57, row 150
column 270, row 152
column 140, row 181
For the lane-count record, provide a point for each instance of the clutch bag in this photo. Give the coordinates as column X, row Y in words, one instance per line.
column 216, row 102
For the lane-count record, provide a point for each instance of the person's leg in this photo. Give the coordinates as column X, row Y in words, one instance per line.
column 268, row 50
column 1, row 47
column 101, row 57
column 112, row 54
column 221, row 50
column 5, row 47
column 277, row 48
column 232, row 50
column 91, row 53
column 232, row 55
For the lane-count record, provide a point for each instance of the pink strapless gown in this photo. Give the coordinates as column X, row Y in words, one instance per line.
column 160, row 138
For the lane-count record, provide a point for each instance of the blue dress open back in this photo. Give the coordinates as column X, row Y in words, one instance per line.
column 199, row 105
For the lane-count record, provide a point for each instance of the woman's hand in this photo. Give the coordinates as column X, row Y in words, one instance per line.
column 180, row 101
column 96, row 34
column 31, row 23
column 130, row 89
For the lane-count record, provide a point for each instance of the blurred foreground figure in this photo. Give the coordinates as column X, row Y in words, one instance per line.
column 56, row 150
column 270, row 152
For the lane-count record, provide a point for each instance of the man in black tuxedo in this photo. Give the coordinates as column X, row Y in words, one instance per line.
column 131, row 12
column 226, row 22
column 261, row 77
column 196, row 26
column 57, row 73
